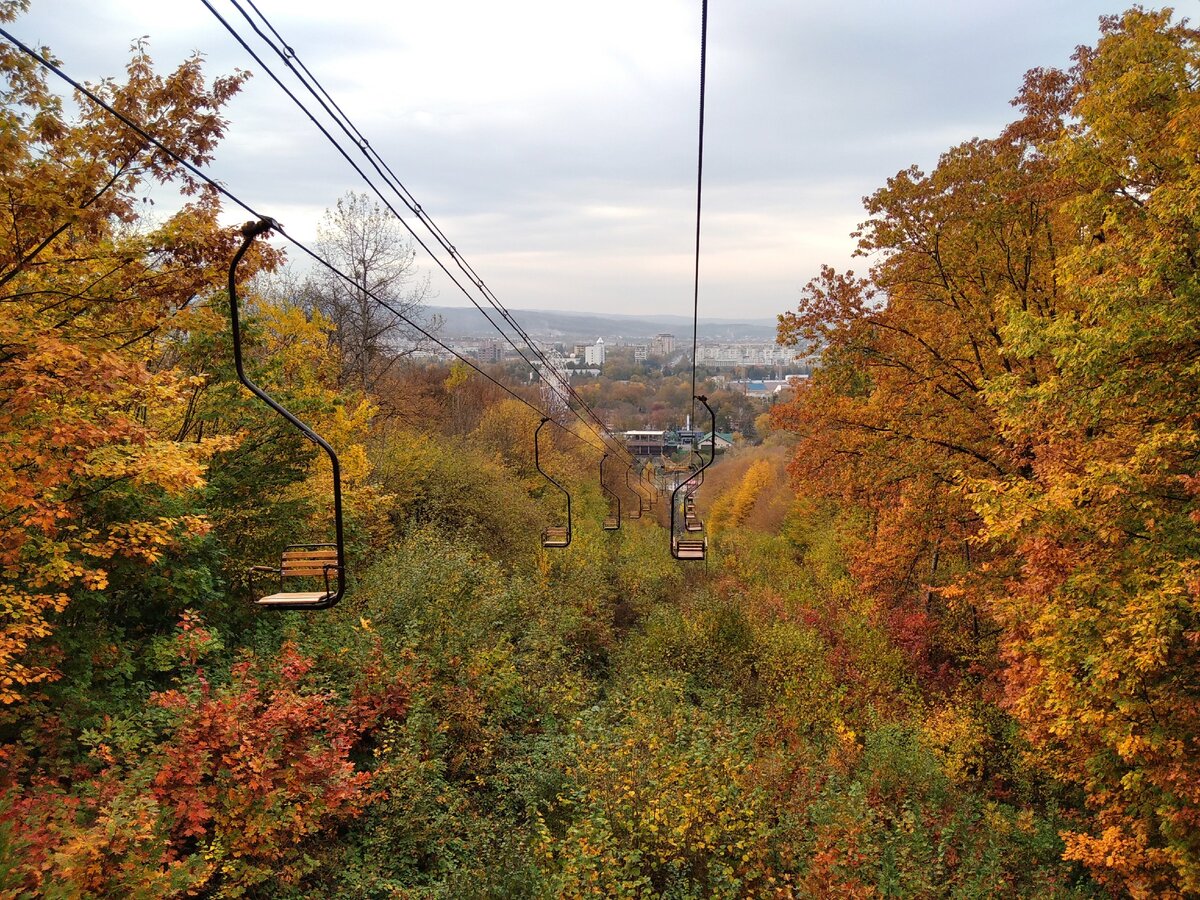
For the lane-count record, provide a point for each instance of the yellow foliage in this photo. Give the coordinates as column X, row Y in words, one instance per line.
column 959, row 740
column 665, row 790
column 732, row 509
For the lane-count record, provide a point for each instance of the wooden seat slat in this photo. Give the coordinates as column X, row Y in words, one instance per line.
column 312, row 562
column 294, row 597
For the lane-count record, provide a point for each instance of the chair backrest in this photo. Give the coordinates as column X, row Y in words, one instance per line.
column 556, row 536
column 308, row 561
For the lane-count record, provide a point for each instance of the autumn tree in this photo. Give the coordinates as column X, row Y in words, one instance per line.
column 89, row 464
column 1102, row 617
column 365, row 241
column 897, row 415
column 1014, row 383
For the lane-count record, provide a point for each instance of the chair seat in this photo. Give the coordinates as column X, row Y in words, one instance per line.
column 612, row 523
column 295, row 598
column 555, row 536
column 686, row 548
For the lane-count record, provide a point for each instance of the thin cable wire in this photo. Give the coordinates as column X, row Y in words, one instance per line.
column 699, row 190
column 366, row 178
column 237, row 201
column 287, row 55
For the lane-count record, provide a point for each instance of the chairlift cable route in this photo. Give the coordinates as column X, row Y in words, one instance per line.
column 287, row 54
column 237, row 201
column 682, row 546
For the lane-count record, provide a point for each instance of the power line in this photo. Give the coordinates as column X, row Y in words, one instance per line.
column 237, row 201
column 287, row 55
column 314, row 87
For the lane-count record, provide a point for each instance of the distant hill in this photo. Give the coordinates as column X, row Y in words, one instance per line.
column 459, row 322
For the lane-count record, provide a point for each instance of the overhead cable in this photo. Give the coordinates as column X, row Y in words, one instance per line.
column 287, row 55
column 699, row 190
column 237, row 201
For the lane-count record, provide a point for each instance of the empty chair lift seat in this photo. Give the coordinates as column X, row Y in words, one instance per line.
column 556, row 536
column 690, row 548
column 303, row 561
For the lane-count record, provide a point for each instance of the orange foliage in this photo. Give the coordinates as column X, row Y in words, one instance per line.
column 87, row 297
column 250, row 773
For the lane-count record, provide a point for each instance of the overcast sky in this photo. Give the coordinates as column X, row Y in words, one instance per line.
column 554, row 141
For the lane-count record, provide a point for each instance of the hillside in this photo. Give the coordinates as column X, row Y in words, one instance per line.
column 578, row 326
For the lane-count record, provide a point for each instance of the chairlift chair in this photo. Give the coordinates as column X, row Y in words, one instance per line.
column 691, row 521
column 651, row 489
column 635, row 511
column 554, row 537
column 612, row 521
column 689, row 548
column 301, row 561
column 683, row 547
column 323, row 563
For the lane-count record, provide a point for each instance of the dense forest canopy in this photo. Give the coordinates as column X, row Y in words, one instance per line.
column 958, row 657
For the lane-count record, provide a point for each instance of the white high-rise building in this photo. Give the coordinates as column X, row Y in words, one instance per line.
column 594, row 355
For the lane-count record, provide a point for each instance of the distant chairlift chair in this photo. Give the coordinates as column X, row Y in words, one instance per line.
column 612, row 521
column 554, row 536
column 691, row 522
column 640, row 505
column 651, row 487
column 322, row 563
column 683, row 547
